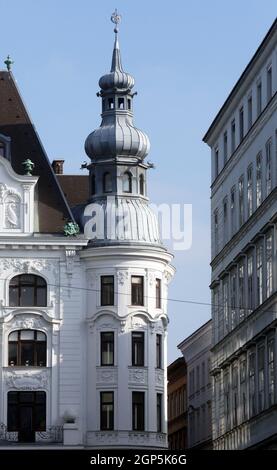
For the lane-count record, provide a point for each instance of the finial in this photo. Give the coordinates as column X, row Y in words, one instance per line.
column 116, row 19
column 28, row 167
column 8, row 62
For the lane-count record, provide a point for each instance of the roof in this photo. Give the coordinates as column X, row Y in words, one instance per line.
column 15, row 122
column 197, row 332
column 255, row 57
column 75, row 188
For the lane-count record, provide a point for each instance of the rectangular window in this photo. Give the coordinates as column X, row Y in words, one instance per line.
column 241, row 124
column 269, row 265
column 197, row 378
column 191, row 382
column 249, row 191
column 235, row 394
column 233, row 210
column 158, row 293
column 261, row 378
column 107, row 348
column 268, row 149
column 225, row 219
column 137, row 290
column 250, row 283
column 159, row 412
column 226, row 386
column 259, row 98
column 249, row 108
column 258, row 180
column 225, row 147
column 269, row 83
column 242, row 309
column 107, row 411
column 203, row 375
column 216, row 231
column 241, row 201
column 138, row 411
column 226, row 306
column 271, row 372
column 233, row 298
column 159, row 351
column 216, row 162
column 137, row 348
column 252, row 380
column 259, row 274
column 233, row 136
column 107, row 290
column 243, row 396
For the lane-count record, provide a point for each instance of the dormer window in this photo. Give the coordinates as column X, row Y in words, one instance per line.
column 127, row 182
column 107, row 183
column 120, row 103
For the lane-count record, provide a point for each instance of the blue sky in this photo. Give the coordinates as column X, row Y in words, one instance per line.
column 185, row 56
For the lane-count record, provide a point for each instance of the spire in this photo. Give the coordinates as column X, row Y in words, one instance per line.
column 116, row 60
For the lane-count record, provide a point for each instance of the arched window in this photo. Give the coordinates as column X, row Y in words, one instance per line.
column 107, row 183
column 127, row 182
column 27, row 290
column 93, row 185
column 27, row 348
column 141, row 185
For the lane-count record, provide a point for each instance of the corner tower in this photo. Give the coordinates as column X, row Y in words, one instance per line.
column 127, row 273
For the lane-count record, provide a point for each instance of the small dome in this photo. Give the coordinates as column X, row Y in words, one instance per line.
column 117, row 137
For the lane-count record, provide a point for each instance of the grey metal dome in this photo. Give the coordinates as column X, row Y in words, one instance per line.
column 117, row 79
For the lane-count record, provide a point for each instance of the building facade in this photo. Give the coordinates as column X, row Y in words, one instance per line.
column 196, row 352
column 83, row 312
column 243, row 142
column 177, row 404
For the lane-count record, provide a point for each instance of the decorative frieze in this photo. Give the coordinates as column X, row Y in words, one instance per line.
column 23, row 379
column 159, row 378
column 107, row 375
column 138, row 375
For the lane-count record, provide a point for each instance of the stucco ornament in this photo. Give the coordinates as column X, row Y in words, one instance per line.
column 27, row 380
column 71, row 229
column 28, row 166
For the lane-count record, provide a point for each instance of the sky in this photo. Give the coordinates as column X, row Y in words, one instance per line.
column 185, row 57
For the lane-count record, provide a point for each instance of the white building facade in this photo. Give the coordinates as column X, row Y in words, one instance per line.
column 83, row 316
column 196, row 350
column 243, row 142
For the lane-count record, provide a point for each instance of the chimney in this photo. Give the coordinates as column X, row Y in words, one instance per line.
column 57, row 166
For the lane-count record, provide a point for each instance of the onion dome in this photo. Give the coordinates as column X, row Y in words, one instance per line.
column 117, row 79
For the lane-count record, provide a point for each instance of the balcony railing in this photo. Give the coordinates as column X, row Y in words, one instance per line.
column 52, row 434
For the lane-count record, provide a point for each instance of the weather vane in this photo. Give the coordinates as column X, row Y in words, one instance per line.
column 8, row 62
column 116, row 19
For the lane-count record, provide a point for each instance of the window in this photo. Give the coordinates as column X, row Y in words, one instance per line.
column 158, row 293
column 269, row 83
column 203, row 374
column 243, row 397
column 241, row 201
column 138, row 349
column 216, row 231
column 271, row 372
column 191, row 382
column 233, row 210
column 26, row 413
column 159, row 412
column 111, row 103
column 107, row 411
column 252, row 396
column 241, row 292
column 137, row 290
column 27, row 290
column 138, row 411
column 259, row 274
column 216, row 162
column 159, row 351
column 27, row 348
column 249, row 108
column 225, row 305
column 241, row 124
column 269, row 265
column 233, row 135
column 233, row 298
column 258, row 180
column 129, row 104
column 141, row 185
column 225, row 219
column 107, row 348
column 217, row 330
column 261, row 378
column 249, row 191
column 235, row 394
column 225, row 147
column 107, row 290
column 127, row 182
column 93, row 185
column 268, row 167
column 250, row 283
column 259, row 98
column 197, row 378
column 107, row 183
column 121, row 103
column 226, row 386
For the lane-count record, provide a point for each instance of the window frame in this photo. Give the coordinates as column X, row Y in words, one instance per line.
column 102, row 403
column 138, row 348
column 140, row 407
column 35, row 350
column 103, row 293
column 21, row 285
column 137, row 293
column 104, row 342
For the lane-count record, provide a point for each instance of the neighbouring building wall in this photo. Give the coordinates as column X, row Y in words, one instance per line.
column 177, row 404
